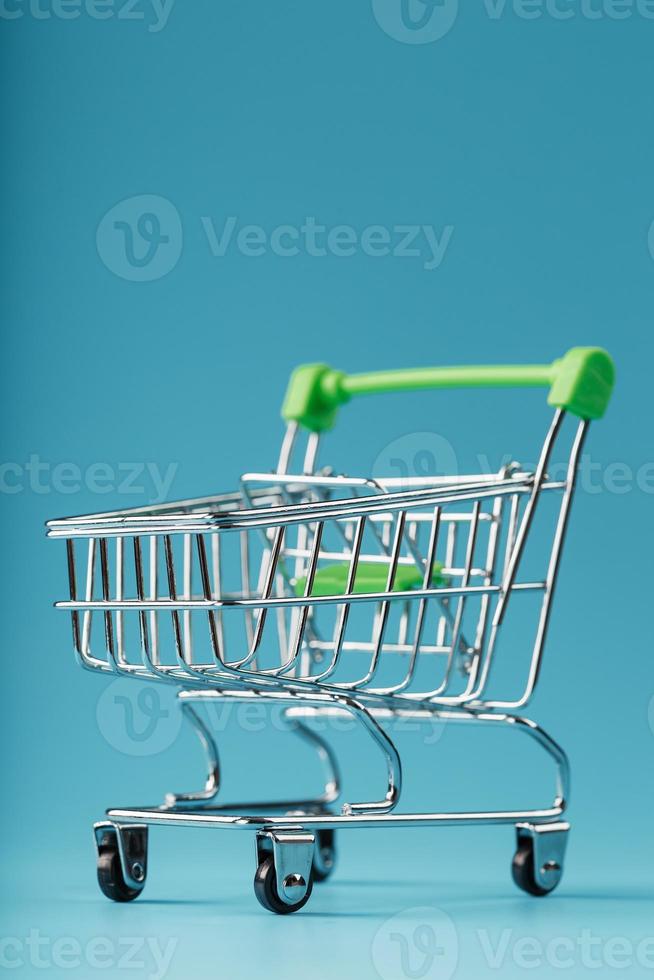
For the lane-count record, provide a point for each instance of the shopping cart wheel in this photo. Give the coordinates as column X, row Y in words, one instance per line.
column 265, row 888
column 111, row 878
column 324, row 858
column 538, row 862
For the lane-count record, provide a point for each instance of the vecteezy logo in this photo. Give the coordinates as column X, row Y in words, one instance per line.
column 141, row 238
column 417, row 944
column 137, row 718
column 416, row 21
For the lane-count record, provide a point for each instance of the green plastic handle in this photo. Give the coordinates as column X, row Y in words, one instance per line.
column 580, row 382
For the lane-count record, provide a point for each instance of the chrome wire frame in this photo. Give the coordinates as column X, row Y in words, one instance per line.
column 200, row 810
column 160, row 581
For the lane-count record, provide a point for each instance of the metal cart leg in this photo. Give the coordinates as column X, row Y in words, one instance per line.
column 212, row 785
column 326, row 755
column 211, row 790
column 324, row 854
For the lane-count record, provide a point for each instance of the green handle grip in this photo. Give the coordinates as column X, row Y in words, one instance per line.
column 580, row 382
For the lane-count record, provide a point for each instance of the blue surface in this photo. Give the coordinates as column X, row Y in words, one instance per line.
column 525, row 145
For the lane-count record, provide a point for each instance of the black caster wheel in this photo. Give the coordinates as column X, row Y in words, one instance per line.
column 110, row 873
column 524, row 871
column 265, row 888
column 324, row 859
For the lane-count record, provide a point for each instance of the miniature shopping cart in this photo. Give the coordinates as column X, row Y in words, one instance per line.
column 326, row 595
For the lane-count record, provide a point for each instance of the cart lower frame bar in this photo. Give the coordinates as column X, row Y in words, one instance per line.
column 198, row 809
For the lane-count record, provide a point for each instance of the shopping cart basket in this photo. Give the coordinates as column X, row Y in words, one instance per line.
column 379, row 598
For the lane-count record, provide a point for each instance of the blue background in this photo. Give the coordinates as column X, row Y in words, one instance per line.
column 533, row 139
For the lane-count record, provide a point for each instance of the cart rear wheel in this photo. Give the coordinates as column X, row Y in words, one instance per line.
column 111, row 880
column 265, row 888
column 524, row 871
column 324, row 860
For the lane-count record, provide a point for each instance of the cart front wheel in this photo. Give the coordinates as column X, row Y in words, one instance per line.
column 524, row 871
column 111, row 880
column 111, row 876
column 265, row 888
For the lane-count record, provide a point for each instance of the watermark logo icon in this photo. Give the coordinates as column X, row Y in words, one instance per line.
column 138, row 719
column 417, row 944
column 416, row 21
column 416, row 454
column 650, row 714
column 140, row 239
column 650, row 239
